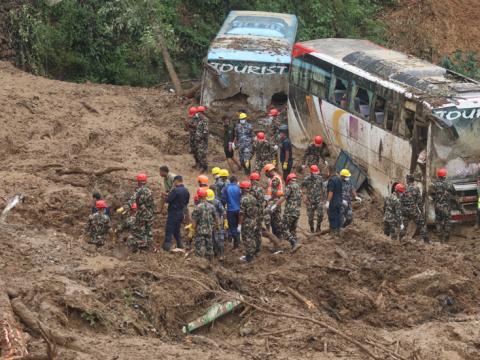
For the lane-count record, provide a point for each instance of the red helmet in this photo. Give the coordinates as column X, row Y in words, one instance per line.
column 442, row 172
column 202, row 179
column 269, row 167
column 318, row 140
column 192, row 111
column 201, row 108
column 195, row 198
column 142, row 177
column 245, row 185
column 290, row 177
column 201, row 193
column 101, row 204
column 261, row 136
column 400, row 188
column 273, row 112
column 314, row 169
column 254, row 176
column 134, row 206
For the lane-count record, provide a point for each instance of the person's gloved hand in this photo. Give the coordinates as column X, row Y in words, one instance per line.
column 233, row 146
column 190, row 231
column 285, row 165
column 344, row 202
column 275, row 147
column 402, row 227
column 358, row 198
column 304, row 166
column 327, row 204
column 267, row 197
column 239, row 228
column 273, row 207
column 274, row 162
column 120, row 210
column 247, row 164
column 225, row 224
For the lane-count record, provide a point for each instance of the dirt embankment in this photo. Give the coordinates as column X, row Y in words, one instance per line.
column 432, row 29
column 389, row 297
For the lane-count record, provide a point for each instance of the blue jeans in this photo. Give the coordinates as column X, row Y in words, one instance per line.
column 232, row 218
column 335, row 216
column 172, row 228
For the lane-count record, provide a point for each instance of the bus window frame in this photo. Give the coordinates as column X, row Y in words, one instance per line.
column 331, row 93
column 355, row 86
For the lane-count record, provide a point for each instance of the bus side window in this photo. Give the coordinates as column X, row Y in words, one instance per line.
column 340, row 93
column 362, row 101
column 379, row 110
column 319, row 82
column 390, row 119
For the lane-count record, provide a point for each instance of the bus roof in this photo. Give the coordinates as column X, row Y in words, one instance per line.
column 256, row 36
column 413, row 74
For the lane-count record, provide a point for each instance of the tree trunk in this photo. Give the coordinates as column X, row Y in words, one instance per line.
column 168, row 63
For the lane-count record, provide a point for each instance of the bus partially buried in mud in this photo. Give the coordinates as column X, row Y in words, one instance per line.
column 249, row 60
column 393, row 114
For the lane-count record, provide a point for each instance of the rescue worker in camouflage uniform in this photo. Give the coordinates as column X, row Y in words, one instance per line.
column 412, row 208
column 248, row 220
column 273, row 128
column 190, row 126
column 348, row 194
column 141, row 236
column 291, row 213
column 204, row 222
column 218, row 232
column 314, row 191
column 259, row 195
column 442, row 193
column 128, row 222
column 243, row 141
column 315, row 153
column 263, row 151
column 201, row 139
column 274, row 192
column 392, row 218
column 99, row 224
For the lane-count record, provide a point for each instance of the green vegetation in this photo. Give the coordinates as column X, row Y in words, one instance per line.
column 463, row 63
column 114, row 41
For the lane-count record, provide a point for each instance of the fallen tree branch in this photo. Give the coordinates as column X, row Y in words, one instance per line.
column 89, row 107
column 393, row 354
column 308, row 303
column 279, row 332
column 80, row 171
column 109, row 170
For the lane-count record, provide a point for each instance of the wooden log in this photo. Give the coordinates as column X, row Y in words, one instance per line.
column 308, row 303
column 275, row 240
column 169, row 64
column 12, row 341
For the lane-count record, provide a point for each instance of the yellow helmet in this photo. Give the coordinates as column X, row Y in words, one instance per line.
column 242, row 116
column 210, row 195
column 215, row 170
column 345, row 173
column 223, row 173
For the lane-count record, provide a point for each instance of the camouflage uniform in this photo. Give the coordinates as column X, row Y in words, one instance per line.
column 205, row 217
column 274, row 218
column 412, row 209
column 244, row 142
column 126, row 224
column 218, row 233
column 201, row 140
column 442, row 192
column 98, row 227
column 249, row 212
column 346, row 210
column 314, row 155
column 291, row 214
column 392, row 218
column 315, row 195
column 264, row 154
column 257, row 192
column 191, row 127
column 141, row 236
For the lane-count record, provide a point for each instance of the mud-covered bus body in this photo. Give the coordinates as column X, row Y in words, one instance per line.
column 250, row 57
column 392, row 113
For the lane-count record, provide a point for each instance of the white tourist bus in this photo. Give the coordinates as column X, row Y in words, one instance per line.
column 388, row 110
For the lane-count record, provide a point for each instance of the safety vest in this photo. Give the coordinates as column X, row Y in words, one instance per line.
column 280, row 186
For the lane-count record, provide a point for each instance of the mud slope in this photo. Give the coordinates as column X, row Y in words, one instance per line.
column 434, row 28
column 389, row 297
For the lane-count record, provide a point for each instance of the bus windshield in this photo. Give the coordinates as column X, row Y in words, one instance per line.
column 456, row 144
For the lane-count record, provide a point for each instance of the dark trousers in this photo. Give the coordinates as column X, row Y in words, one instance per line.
column 288, row 170
column 334, row 216
column 232, row 218
column 172, row 228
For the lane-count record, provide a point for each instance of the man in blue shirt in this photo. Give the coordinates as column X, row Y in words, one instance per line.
column 177, row 201
column 231, row 198
column 286, row 154
column 334, row 200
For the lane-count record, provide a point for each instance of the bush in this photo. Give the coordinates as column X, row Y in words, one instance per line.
column 463, row 63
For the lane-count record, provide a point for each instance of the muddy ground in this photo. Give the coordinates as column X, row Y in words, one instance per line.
column 372, row 297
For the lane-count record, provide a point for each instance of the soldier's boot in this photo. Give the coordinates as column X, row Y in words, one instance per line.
column 319, row 226
column 246, row 258
column 445, row 236
column 258, row 245
column 236, row 241
column 311, row 224
column 425, row 239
